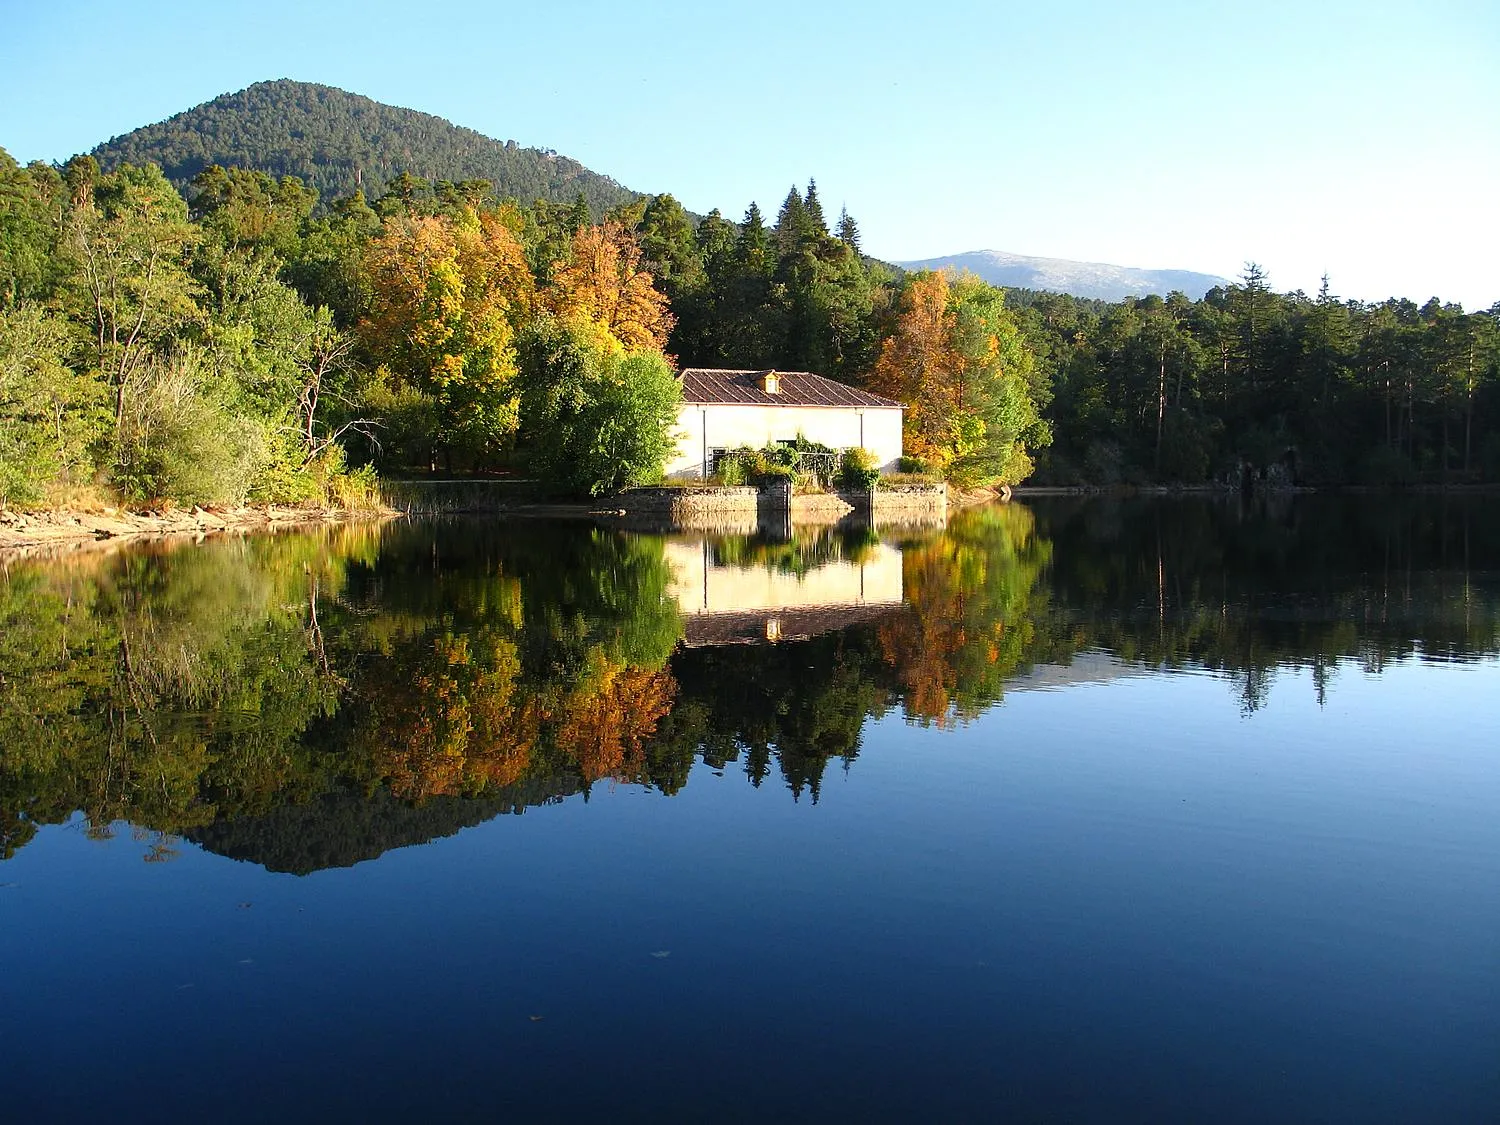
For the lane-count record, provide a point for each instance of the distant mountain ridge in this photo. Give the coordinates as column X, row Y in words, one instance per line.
column 1081, row 279
column 336, row 141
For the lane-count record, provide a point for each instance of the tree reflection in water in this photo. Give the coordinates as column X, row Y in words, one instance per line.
column 315, row 698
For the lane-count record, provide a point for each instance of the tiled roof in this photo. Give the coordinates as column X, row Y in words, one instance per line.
column 797, row 388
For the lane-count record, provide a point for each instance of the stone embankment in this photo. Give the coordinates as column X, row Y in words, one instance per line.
column 30, row 533
column 928, row 499
column 707, row 507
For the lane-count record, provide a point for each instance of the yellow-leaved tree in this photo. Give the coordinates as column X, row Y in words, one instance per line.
column 449, row 295
column 958, row 362
column 603, row 285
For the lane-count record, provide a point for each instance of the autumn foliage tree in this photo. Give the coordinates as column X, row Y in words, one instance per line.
column 605, row 286
column 959, row 363
column 917, row 366
column 974, row 596
column 447, row 715
column 599, row 400
column 607, row 722
column 449, row 295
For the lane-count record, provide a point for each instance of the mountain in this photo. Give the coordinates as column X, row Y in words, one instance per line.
column 336, row 141
column 1081, row 279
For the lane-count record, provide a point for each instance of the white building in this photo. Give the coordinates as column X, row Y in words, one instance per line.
column 724, row 410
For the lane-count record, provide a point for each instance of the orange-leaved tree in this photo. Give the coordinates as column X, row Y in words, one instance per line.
column 959, row 363
column 607, row 720
column 919, row 366
column 603, row 285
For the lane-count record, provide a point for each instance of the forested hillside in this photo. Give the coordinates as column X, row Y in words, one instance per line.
column 245, row 339
column 336, row 142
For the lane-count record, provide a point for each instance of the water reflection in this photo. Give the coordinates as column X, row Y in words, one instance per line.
column 1281, row 583
column 314, row 699
column 758, row 588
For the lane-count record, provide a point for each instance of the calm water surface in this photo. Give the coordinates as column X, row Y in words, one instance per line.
column 1072, row 811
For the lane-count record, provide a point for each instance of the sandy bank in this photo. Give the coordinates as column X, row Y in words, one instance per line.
column 34, row 533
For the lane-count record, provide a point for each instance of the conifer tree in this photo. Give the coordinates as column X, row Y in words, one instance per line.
column 753, row 247
column 579, row 215
column 791, row 222
column 813, row 209
column 848, row 230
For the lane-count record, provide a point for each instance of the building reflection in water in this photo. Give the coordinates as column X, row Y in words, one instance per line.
column 755, row 589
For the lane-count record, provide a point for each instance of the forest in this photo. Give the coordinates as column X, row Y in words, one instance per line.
column 337, row 142
column 251, row 341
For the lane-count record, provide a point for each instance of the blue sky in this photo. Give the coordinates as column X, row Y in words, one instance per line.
column 1358, row 138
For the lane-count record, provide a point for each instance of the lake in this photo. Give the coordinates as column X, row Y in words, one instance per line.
column 1075, row 810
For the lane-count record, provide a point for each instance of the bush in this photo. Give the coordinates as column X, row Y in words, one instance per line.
column 739, row 466
column 906, row 464
column 857, row 469
column 177, row 441
column 335, row 484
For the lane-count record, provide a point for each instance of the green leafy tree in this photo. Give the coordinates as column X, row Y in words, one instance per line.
column 247, row 209
column 128, row 235
column 595, row 419
column 50, row 414
column 30, row 201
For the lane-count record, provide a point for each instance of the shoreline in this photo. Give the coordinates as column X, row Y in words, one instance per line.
column 48, row 532
column 66, row 530
column 1120, row 491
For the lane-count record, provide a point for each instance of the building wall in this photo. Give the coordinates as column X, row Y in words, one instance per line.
column 729, row 426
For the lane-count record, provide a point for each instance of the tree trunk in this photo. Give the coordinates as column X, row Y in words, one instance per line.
column 1469, row 414
column 1161, row 403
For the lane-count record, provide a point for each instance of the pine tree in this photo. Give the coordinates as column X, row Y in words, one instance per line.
column 579, row 215
column 848, row 230
column 715, row 239
column 753, row 245
column 669, row 243
column 813, row 209
column 791, row 222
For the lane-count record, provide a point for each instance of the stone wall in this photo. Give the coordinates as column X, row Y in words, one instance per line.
column 707, row 506
column 925, row 498
column 689, row 503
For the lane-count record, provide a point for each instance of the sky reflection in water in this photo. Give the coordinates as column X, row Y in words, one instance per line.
column 1167, row 811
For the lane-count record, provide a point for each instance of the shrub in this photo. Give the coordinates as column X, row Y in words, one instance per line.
column 857, row 469
column 179, row 441
column 736, row 467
